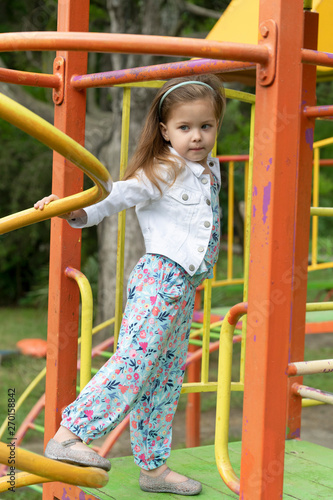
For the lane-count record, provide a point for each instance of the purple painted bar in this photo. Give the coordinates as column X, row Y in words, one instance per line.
column 319, row 111
column 158, row 72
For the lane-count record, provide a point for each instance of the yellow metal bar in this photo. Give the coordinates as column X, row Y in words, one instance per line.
column 246, row 178
column 86, row 323
column 240, row 96
column 103, row 325
column 315, row 202
column 311, row 402
column 321, row 211
column 323, row 142
column 200, row 331
column 233, row 281
column 51, row 469
column 209, row 387
column 22, row 479
column 206, row 330
column 248, row 214
column 49, row 135
column 223, row 403
column 324, row 265
column 122, row 216
column 319, row 306
column 230, row 219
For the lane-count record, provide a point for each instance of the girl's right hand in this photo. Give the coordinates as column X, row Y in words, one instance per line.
column 39, row 205
column 45, row 201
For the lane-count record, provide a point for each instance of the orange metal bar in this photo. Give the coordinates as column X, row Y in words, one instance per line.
column 157, row 72
column 318, row 111
column 276, row 157
column 227, row 158
column 310, row 367
column 65, row 250
column 317, row 58
column 27, row 78
column 310, row 392
column 302, row 228
column 134, row 44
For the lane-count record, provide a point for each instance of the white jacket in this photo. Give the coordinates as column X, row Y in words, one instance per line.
column 177, row 224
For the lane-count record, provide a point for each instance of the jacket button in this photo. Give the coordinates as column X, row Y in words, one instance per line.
column 207, row 223
column 191, row 267
column 204, row 180
column 208, row 202
column 185, row 197
column 211, row 164
column 201, row 249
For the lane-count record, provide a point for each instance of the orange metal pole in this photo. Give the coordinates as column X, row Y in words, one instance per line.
column 158, row 72
column 134, row 44
column 65, row 248
column 302, row 228
column 276, row 161
column 318, row 111
column 27, row 78
column 318, row 58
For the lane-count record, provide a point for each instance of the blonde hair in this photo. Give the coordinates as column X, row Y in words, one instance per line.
column 152, row 149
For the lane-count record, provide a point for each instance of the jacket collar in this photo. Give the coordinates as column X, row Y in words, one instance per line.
column 195, row 167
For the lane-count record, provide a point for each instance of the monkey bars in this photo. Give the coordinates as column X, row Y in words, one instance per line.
column 280, row 202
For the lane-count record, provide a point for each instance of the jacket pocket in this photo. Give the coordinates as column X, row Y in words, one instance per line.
column 184, row 196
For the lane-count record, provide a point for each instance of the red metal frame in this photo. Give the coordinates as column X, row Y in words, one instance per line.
column 158, row 72
column 65, row 243
column 272, row 259
column 302, row 228
column 123, row 43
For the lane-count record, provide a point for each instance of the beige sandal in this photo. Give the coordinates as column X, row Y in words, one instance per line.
column 160, row 485
column 63, row 453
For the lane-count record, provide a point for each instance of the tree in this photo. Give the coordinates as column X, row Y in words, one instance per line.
column 103, row 125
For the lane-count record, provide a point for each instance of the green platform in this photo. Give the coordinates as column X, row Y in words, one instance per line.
column 308, row 474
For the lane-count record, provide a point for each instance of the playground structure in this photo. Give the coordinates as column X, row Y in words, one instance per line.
column 278, row 243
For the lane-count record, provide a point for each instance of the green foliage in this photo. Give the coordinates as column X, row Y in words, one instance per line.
column 235, row 131
column 25, row 167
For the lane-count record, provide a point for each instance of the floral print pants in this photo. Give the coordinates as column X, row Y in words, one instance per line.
column 145, row 374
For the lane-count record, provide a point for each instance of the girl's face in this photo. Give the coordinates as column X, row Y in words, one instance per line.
column 191, row 129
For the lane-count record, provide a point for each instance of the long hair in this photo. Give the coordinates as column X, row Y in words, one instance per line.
column 152, row 149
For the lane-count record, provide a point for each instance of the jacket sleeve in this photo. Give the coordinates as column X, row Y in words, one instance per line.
column 124, row 194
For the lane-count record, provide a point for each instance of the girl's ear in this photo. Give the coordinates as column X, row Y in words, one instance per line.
column 164, row 132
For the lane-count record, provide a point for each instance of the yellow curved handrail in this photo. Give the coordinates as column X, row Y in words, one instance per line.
column 223, row 397
column 86, row 323
column 37, row 127
column 52, row 470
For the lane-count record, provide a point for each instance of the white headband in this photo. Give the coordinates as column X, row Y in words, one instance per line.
column 196, row 82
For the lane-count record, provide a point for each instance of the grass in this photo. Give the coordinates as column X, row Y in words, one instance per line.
column 17, row 371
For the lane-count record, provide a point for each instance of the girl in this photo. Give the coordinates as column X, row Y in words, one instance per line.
column 174, row 184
